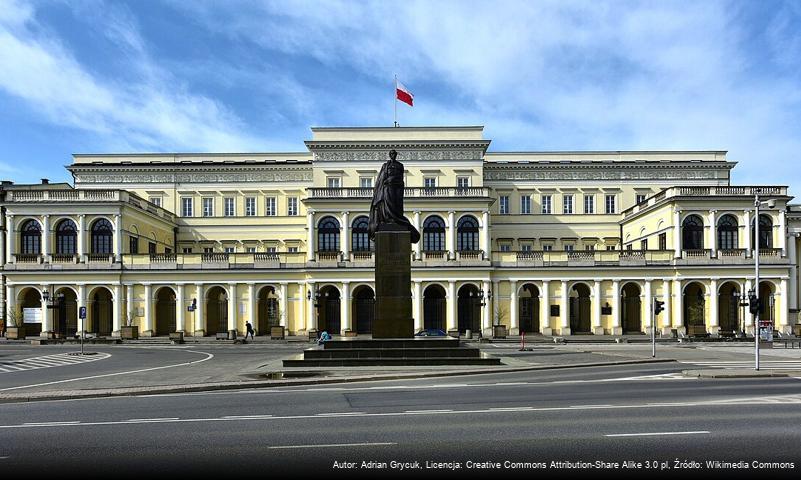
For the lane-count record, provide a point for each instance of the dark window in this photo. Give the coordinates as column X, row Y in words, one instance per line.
column 467, row 234
column 727, row 232
column 644, row 244
column 133, row 244
column 66, row 238
column 167, row 250
column 663, row 241
column 433, row 234
column 31, row 234
column 102, row 237
column 692, row 233
column 328, row 235
column 360, row 238
column 765, row 232
column 151, row 247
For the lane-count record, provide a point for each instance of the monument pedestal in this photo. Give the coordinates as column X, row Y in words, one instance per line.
column 393, row 280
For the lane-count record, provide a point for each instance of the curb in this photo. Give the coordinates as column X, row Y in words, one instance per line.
column 735, row 374
column 209, row 387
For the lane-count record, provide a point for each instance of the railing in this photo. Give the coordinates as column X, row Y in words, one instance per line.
column 100, row 258
column 214, row 261
column 27, row 258
column 328, row 256
column 266, row 257
column 770, row 252
column 732, row 252
column 697, row 253
column 409, row 192
column 214, row 257
column 63, row 258
column 528, row 255
column 163, row 258
column 706, row 191
column 86, row 195
column 470, row 254
column 361, row 256
column 439, row 255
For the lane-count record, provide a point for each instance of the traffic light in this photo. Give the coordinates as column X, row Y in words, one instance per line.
column 658, row 306
column 753, row 304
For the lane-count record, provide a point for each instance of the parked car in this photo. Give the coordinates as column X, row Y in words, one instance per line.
column 431, row 332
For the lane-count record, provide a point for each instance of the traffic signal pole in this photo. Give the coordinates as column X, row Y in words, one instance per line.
column 652, row 313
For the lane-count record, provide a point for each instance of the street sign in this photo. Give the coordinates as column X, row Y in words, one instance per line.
column 82, row 313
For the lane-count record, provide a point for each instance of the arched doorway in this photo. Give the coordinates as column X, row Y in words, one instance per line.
column 434, row 307
column 65, row 315
column 469, row 309
column 363, row 309
column 767, row 307
column 30, row 302
column 216, row 311
column 580, row 304
column 268, row 315
column 529, row 308
column 632, row 308
column 330, row 310
column 695, row 309
column 165, row 311
column 729, row 308
column 101, row 312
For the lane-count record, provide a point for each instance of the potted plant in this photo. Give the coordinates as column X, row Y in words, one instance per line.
column 498, row 330
column 16, row 327
column 129, row 331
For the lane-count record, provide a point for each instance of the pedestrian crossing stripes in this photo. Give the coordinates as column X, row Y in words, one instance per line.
column 749, row 364
column 48, row 361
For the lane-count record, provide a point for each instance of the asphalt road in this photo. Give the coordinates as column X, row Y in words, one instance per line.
column 641, row 413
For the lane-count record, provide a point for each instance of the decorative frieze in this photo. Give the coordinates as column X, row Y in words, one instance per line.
column 600, row 174
column 193, row 177
column 403, row 155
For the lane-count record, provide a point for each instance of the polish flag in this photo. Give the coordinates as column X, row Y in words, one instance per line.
column 403, row 94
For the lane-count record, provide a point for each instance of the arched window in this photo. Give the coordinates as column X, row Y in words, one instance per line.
column 31, row 234
column 467, row 234
column 433, row 234
column 102, row 237
column 765, row 232
column 66, row 238
column 328, row 235
column 360, row 237
column 693, row 233
column 727, row 233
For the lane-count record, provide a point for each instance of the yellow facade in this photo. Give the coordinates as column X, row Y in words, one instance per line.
column 552, row 243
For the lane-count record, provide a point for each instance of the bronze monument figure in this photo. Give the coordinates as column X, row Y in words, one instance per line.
column 387, row 204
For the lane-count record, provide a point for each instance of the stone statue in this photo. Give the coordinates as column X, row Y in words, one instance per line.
column 387, row 205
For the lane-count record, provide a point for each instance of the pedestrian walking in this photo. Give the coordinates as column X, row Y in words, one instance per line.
column 249, row 331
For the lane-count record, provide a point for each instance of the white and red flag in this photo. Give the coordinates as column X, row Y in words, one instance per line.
column 403, row 94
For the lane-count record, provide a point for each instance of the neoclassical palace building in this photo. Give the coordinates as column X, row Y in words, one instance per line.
column 552, row 243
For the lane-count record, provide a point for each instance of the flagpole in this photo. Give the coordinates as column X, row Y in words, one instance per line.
column 395, row 94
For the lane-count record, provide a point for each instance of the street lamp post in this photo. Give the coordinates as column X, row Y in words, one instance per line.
column 754, row 296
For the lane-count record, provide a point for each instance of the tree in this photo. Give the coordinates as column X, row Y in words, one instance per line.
column 501, row 313
column 14, row 317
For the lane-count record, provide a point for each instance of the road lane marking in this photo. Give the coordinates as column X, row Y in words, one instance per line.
column 53, row 423
column 209, row 357
column 245, row 417
column 699, row 432
column 335, row 445
column 48, row 361
column 428, row 411
column 339, row 414
column 165, row 419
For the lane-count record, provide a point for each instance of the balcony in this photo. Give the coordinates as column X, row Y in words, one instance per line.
column 86, row 196
column 213, row 261
column 706, row 192
column 408, row 192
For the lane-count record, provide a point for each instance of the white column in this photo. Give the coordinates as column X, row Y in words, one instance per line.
column 3, row 245
column 747, row 234
column 282, row 306
column 418, row 306
column 486, row 321
column 116, row 320
column 11, row 301
column 11, row 235
column 200, row 320
column 311, row 311
column 545, row 308
column 310, row 236
column 251, row 308
column 563, row 310
column 46, row 239
column 783, row 317
column 782, row 233
column 793, row 256
column 129, row 303
column 713, row 237
column 47, row 322
column 344, row 306
column 678, row 313
column 450, row 240
column 148, row 327
column 597, row 326
column 677, row 233
column 118, row 238
column 649, row 310
column 485, row 233
column 416, row 246
column 180, row 308
column 616, row 328
column 513, row 309
column 452, row 319
column 81, row 236
column 345, row 237
column 232, row 304
column 667, row 297
column 714, row 328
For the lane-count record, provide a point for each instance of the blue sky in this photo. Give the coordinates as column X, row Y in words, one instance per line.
column 154, row 76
